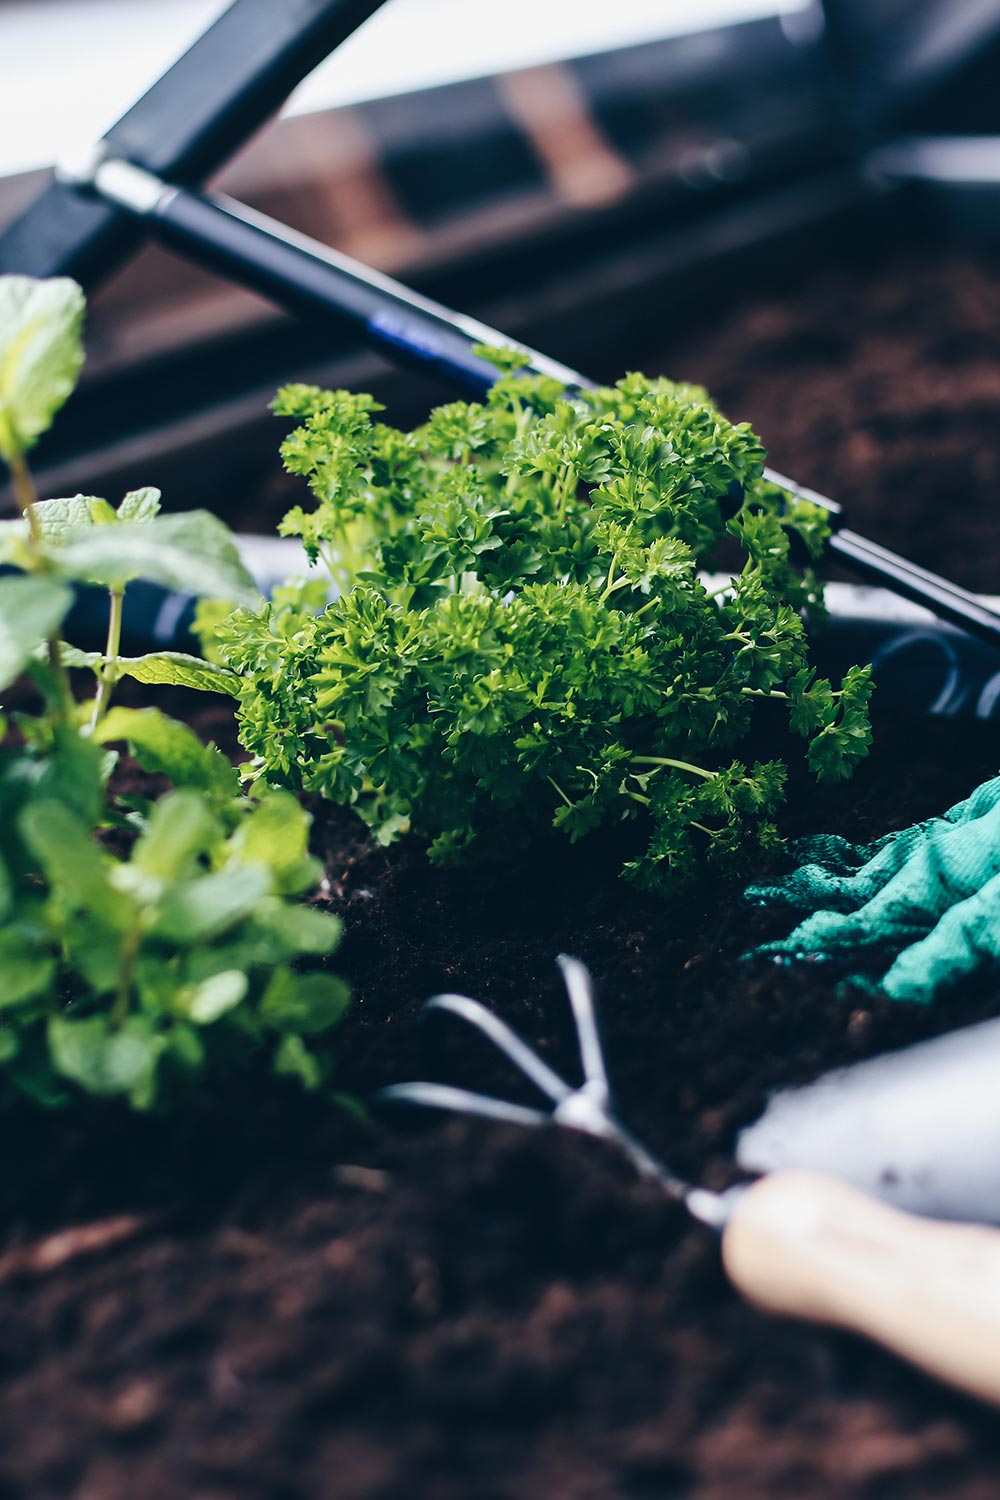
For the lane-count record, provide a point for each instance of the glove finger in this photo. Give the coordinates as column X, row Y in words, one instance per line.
column 967, row 935
column 837, row 875
column 828, row 933
column 830, row 876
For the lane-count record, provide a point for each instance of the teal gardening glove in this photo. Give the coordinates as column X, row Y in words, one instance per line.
column 931, row 892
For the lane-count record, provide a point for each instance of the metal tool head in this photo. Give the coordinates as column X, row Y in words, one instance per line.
column 586, row 1108
column 919, row 1128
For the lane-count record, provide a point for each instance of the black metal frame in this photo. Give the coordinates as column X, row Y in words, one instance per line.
column 232, row 79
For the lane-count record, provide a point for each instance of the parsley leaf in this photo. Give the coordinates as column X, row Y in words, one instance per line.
column 522, row 639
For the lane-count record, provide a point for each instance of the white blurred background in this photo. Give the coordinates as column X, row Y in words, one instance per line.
column 70, row 68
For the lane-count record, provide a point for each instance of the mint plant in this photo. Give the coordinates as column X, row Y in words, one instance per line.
column 146, row 944
column 520, row 638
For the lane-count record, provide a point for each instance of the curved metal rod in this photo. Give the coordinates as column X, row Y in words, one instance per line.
column 506, row 1040
column 586, row 1109
column 580, row 989
column 462, row 1101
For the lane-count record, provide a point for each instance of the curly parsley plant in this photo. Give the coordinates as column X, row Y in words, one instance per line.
column 520, row 637
column 145, row 944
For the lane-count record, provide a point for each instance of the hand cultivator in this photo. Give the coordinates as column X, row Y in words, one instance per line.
column 796, row 1242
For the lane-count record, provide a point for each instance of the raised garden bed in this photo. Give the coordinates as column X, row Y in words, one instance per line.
column 286, row 1302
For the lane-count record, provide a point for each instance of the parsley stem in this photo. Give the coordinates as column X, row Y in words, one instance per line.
column 555, row 785
column 677, row 765
column 611, row 588
column 567, row 483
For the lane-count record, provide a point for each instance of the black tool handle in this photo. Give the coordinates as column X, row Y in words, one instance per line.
column 313, row 281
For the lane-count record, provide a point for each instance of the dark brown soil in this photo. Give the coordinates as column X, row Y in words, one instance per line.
column 274, row 1300
column 878, row 383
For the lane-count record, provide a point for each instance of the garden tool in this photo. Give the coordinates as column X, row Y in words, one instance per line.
column 795, row 1242
column 930, row 893
column 316, row 282
column 227, row 83
column 918, row 1128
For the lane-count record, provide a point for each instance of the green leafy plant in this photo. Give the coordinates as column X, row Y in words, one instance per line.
column 521, row 638
column 144, row 942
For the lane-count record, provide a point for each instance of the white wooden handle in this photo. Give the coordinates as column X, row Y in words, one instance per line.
column 810, row 1247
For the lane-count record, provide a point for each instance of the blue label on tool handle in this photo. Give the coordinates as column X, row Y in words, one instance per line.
column 424, row 344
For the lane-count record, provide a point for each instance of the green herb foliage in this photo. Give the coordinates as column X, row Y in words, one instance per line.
column 521, row 638
column 144, row 943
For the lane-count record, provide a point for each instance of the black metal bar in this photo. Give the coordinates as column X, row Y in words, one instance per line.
column 921, row 666
column 877, row 564
column 949, row 602
column 188, row 124
column 310, row 279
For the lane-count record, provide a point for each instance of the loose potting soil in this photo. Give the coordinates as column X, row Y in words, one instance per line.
column 269, row 1299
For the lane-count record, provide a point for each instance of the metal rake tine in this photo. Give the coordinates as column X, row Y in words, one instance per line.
column 586, row 1109
column 580, row 988
column 506, row 1040
column 462, row 1101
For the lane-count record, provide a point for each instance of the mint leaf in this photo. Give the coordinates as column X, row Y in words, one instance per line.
column 165, row 745
column 181, row 829
column 74, row 866
column 214, row 996
column 31, row 610
column 72, row 656
column 59, row 520
column 205, row 908
column 294, row 1060
column 172, row 668
column 106, row 1060
column 304, row 1003
column 55, row 520
column 300, row 929
column 276, row 834
column 140, row 505
column 193, row 553
column 178, row 669
column 27, row 968
column 40, row 355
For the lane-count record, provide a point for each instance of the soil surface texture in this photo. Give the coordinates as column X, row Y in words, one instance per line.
column 270, row 1299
